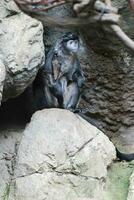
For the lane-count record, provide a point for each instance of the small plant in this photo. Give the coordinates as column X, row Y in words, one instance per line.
column 6, row 192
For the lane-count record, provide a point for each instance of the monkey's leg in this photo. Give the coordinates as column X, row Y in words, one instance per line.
column 71, row 96
column 44, row 99
column 58, row 89
column 49, row 98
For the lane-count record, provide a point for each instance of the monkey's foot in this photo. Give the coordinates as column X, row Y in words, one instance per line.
column 80, row 110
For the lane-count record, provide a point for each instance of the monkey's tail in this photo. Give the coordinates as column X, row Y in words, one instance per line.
column 124, row 156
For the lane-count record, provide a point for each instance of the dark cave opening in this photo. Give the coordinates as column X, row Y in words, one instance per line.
column 16, row 111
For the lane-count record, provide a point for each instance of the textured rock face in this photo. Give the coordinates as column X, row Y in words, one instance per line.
column 61, row 157
column 21, row 48
column 110, row 70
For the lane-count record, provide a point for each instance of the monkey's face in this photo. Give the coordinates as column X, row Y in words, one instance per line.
column 72, row 45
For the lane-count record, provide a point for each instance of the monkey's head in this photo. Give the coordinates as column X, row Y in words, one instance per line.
column 70, row 42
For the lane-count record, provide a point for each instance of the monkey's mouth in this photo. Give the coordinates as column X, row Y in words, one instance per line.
column 38, row 5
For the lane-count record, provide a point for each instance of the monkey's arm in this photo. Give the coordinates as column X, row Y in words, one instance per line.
column 41, row 92
column 59, row 89
column 48, row 67
column 78, row 75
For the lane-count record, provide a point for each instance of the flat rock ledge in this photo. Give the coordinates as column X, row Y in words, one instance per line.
column 60, row 157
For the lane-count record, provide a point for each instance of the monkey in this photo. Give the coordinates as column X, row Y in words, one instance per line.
column 61, row 79
column 64, row 74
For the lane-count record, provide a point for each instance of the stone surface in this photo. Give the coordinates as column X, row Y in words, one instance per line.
column 109, row 67
column 61, row 157
column 21, row 48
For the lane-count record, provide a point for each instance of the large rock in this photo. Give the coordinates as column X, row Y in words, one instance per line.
column 21, row 48
column 61, row 157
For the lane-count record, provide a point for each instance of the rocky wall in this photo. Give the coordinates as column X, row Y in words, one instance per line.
column 109, row 68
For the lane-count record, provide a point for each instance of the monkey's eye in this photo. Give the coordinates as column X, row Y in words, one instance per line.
column 71, row 41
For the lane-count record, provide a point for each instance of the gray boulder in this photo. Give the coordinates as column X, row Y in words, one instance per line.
column 61, row 157
column 21, row 49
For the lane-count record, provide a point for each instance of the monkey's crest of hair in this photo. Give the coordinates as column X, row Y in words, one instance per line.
column 70, row 36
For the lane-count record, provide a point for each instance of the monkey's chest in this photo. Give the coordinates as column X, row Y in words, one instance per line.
column 62, row 66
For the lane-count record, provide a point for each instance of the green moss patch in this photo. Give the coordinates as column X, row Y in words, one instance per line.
column 6, row 192
column 118, row 181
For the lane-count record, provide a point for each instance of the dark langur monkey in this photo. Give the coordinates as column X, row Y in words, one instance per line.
column 61, row 79
column 63, row 71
